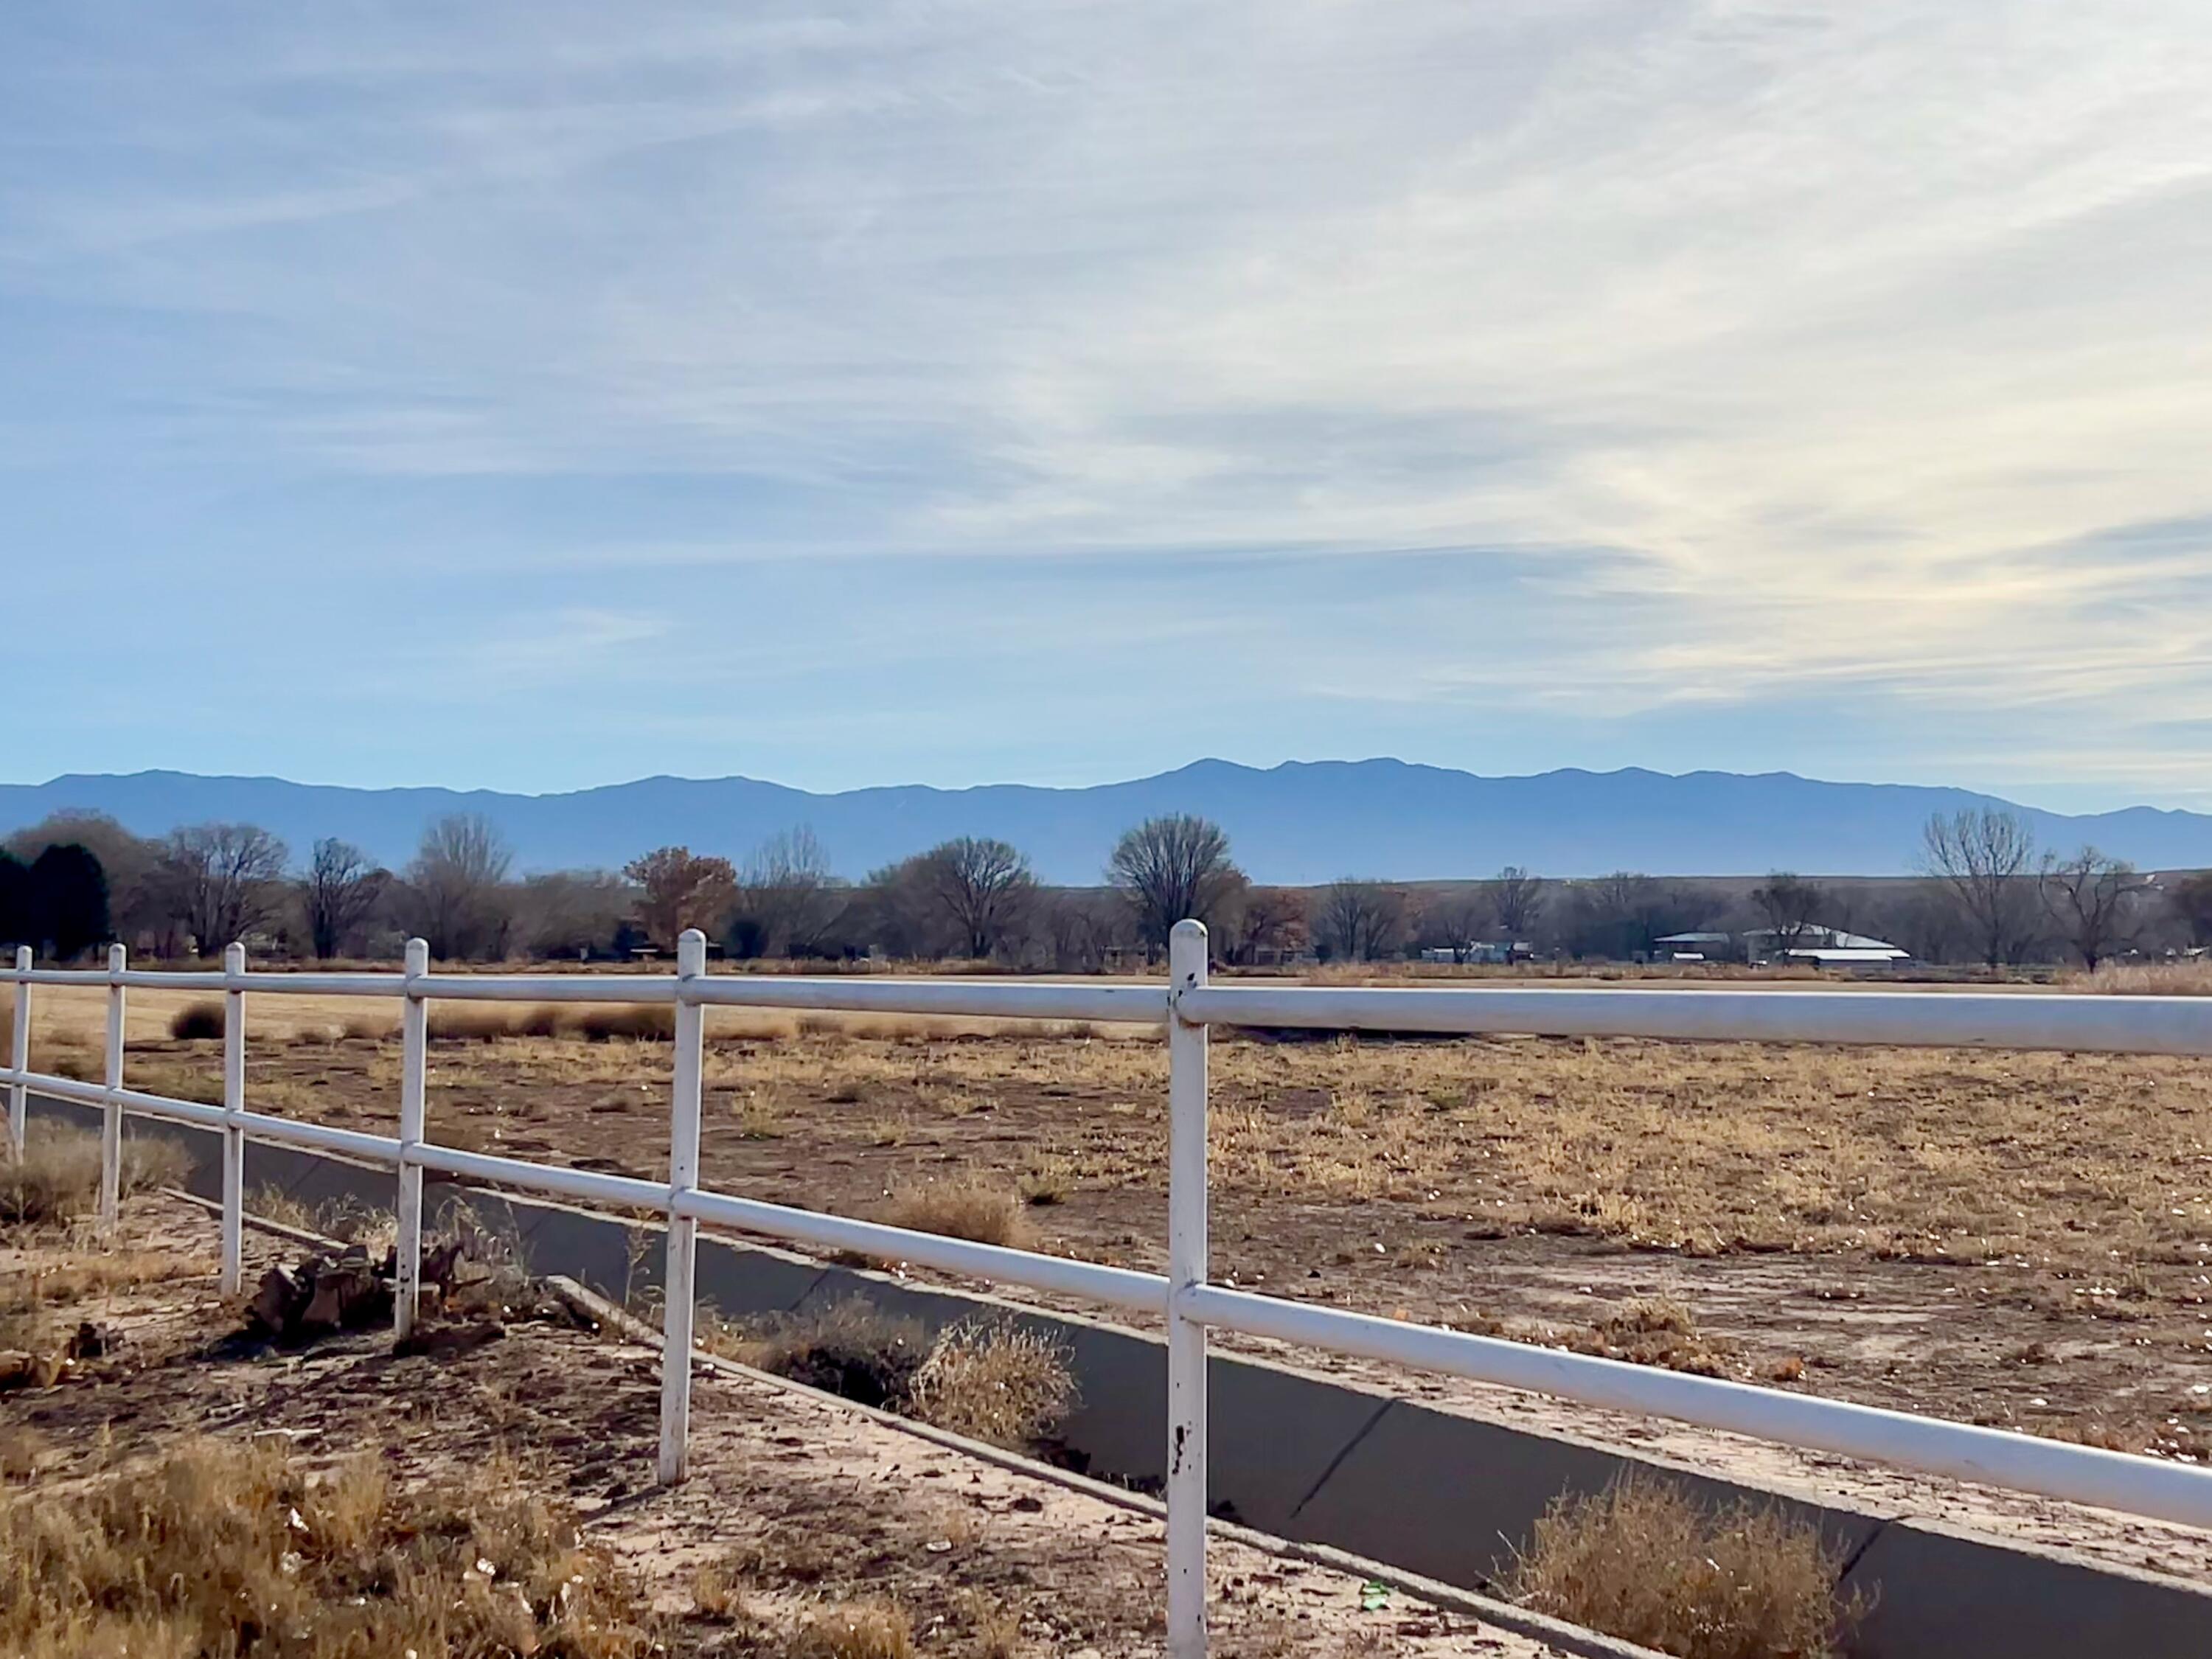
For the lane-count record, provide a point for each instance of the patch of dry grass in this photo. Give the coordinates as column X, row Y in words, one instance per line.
column 347, row 1219
column 274, row 1204
column 999, row 1382
column 1002, row 1383
column 481, row 1022
column 964, row 1208
column 2189, row 976
column 1654, row 1332
column 848, row 1348
column 1642, row 1561
column 857, row 1630
column 58, row 1178
column 644, row 1024
column 484, row 1022
column 219, row 1549
column 38, row 1302
column 56, row 1280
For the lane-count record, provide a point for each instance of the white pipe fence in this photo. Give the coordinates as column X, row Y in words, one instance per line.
column 1187, row 1006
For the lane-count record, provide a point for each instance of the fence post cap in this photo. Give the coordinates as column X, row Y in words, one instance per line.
column 690, row 952
column 418, row 957
column 119, row 958
column 234, row 958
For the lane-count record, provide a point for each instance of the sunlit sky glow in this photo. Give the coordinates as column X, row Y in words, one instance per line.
column 535, row 395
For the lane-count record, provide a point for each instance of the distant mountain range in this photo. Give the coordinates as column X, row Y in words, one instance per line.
column 1297, row 822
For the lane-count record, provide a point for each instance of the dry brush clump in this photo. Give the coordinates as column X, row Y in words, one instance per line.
column 218, row 1549
column 2189, row 977
column 995, row 1382
column 962, row 1208
column 848, row 1348
column 1653, row 1332
column 1643, row 1561
column 58, row 1178
column 492, row 1023
column 859, row 1630
column 196, row 1022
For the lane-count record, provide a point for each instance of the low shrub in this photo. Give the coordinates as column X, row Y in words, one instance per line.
column 963, row 1209
column 997, row 1382
column 848, row 1348
column 645, row 1023
column 858, row 1630
column 474, row 1022
column 1002, row 1383
column 1641, row 1561
column 196, row 1022
column 490, row 1022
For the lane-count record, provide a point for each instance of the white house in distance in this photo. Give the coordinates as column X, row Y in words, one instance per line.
column 1820, row 947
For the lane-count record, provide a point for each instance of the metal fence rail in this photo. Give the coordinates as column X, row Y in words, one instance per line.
column 1186, row 1007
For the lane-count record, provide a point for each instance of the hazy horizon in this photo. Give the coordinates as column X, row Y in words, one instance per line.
column 1085, row 783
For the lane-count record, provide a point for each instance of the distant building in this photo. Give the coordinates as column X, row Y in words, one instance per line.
column 1491, row 951
column 1825, row 947
column 1696, row 947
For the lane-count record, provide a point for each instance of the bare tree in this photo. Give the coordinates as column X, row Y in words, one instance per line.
column 1171, row 868
column 981, row 888
column 2190, row 900
column 1516, row 900
column 1456, row 920
column 578, row 913
column 1981, row 857
column 681, row 889
column 1357, row 919
column 1791, row 905
column 456, row 879
column 2093, row 899
column 788, row 900
column 220, row 881
column 340, row 889
column 1266, row 920
column 1081, row 926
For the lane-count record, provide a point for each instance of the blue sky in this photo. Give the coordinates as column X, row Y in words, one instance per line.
column 536, row 395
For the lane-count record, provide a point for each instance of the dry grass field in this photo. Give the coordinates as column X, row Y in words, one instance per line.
column 2022, row 1239
column 168, row 1488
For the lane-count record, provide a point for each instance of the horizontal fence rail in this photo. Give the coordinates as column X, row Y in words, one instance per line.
column 1187, row 1006
column 1924, row 1020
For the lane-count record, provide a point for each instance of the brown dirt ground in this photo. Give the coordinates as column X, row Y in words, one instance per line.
column 2023, row 1240
column 797, row 1501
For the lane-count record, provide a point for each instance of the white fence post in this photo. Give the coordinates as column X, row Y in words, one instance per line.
column 1187, row 1252
column 683, row 1231
column 414, row 1081
column 19, row 1055
column 110, row 1112
column 233, row 1136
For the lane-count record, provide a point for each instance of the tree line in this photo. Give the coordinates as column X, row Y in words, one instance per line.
column 78, row 879
column 1986, row 893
